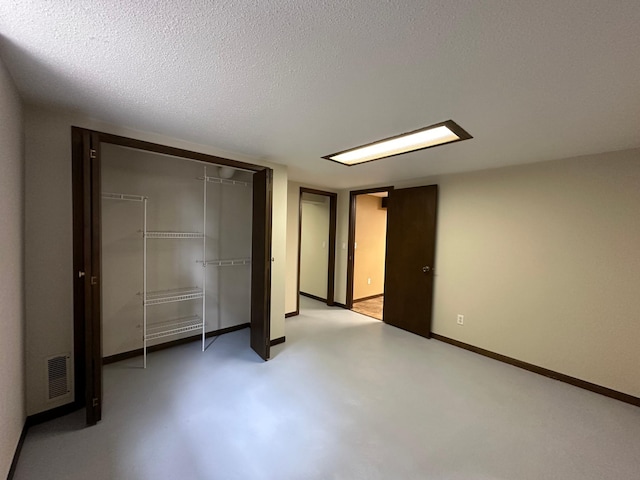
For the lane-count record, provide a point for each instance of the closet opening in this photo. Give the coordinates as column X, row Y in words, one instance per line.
column 316, row 245
column 170, row 247
column 366, row 251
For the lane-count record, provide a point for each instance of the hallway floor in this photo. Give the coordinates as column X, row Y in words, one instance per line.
column 371, row 308
column 346, row 397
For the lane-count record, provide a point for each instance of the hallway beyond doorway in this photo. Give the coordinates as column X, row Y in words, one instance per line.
column 371, row 307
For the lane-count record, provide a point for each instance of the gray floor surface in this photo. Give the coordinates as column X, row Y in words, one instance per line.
column 346, row 397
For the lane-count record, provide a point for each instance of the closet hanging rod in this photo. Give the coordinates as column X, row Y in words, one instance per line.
column 123, row 196
column 224, row 181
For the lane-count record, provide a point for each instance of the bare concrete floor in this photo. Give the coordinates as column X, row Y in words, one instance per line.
column 346, row 397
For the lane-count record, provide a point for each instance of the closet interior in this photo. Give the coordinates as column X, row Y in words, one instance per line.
column 176, row 248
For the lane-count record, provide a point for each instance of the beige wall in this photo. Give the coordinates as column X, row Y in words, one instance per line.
column 279, row 250
column 293, row 218
column 314, row 248
column 12, row 318
column 48, row 256
column 371, row 242
column 543, row 261
column 342, row 238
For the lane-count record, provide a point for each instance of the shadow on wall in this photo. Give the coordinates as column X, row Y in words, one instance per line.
column 34, row 69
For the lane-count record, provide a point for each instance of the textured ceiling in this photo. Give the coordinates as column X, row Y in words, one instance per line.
column 290, row 80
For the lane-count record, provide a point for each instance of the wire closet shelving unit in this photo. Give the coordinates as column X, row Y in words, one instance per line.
column 192, row 323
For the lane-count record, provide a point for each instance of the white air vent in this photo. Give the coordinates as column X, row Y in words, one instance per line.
column 58, row 376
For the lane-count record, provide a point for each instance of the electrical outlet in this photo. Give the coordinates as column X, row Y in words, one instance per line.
column 368, row 281
column 460, row 319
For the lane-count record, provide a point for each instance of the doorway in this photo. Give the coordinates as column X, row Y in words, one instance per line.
column 316, row 245
column 409, row 256
column 367, row 251
column 87, row 253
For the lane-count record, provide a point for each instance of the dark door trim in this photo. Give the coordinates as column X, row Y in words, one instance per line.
column 87, row 339
column 331, row 267
column 352, row 237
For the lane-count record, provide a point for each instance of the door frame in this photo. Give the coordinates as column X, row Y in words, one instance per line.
column 87, row 315
column 352, row 238
column 331, row 261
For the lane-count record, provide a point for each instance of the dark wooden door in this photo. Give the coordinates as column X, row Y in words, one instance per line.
column 411, row 238
column 92, row 277
column 261, row 263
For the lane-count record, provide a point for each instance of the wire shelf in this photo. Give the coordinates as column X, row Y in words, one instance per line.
column 228, row 263
column 170, row 296
column 224, row 181
column 173, row 327
column 123, row 196
column 151, row 234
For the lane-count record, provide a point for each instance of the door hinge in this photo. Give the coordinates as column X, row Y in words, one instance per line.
column 94, row 280
column 95, row 402
column 92, row 153
column 81, row 274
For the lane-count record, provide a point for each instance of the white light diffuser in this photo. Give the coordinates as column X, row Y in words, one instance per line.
column 439, row 134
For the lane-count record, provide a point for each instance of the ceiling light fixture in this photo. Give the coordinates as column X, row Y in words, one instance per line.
column 431, row 136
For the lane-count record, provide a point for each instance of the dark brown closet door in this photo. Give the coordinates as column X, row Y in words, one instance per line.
column 87, row 274
column 261, row 263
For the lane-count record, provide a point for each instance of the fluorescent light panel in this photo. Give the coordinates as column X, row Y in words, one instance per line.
column 438, row 134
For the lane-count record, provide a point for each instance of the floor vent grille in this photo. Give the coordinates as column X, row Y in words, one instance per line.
column 58, row 376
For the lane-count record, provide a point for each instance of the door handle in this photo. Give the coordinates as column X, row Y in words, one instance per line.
column 426, row 269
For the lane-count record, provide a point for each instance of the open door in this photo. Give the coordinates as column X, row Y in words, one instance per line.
column 261, row 263
column 411, row 239
column 94, row 339
column 87, row 261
